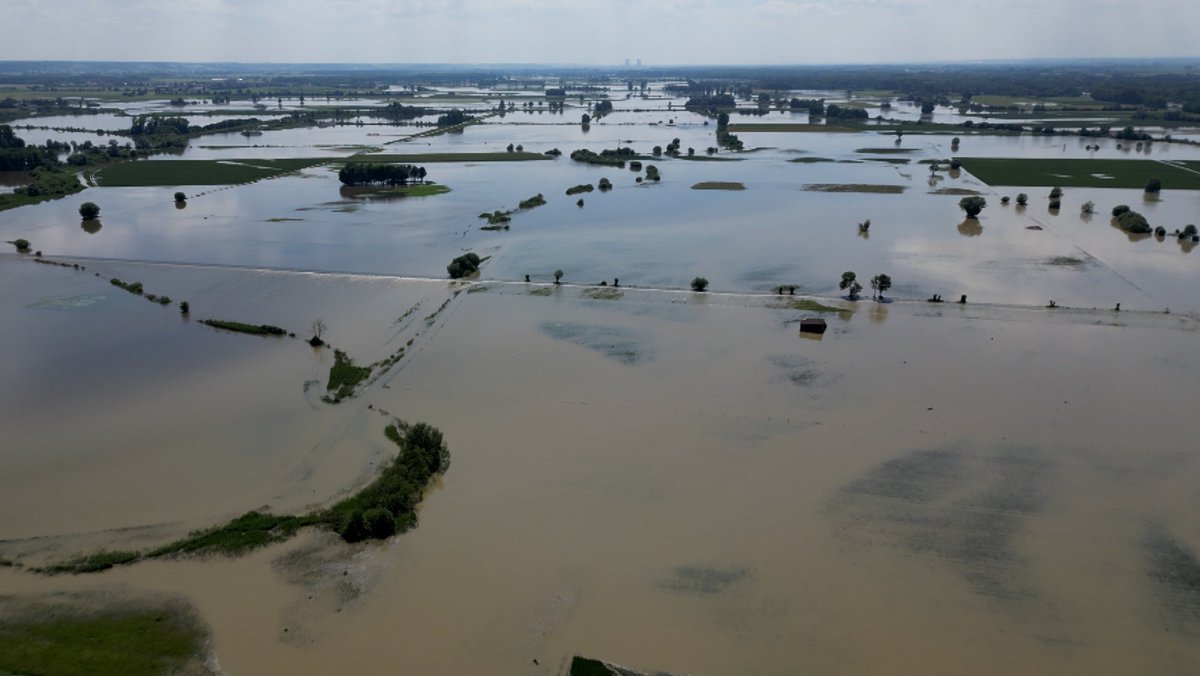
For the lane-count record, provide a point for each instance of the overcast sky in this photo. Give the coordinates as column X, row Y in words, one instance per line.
column 660, row 32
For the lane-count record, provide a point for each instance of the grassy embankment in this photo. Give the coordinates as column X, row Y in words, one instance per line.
column 384, row 507
column 1081, row 173
column 198, row 172
column 785, row 127
column 55, row 637
column 433, row 158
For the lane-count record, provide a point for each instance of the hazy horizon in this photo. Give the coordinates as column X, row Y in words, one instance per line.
column 571, row 32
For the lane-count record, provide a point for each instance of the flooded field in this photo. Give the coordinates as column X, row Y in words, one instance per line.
column 990, row 488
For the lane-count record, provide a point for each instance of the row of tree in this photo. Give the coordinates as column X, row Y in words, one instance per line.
column 372, row 173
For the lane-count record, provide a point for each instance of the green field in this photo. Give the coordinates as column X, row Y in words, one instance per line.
column 430, row 158
column 1078, row 173
column 197, row 172
column 788, row 127
column 53, row 638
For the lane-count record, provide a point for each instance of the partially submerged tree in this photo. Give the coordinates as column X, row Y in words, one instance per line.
column 879, row 284
column 850, row 283
column 699, row 284
column 318, row 328
column 180, row 197
column 1153, row 186
column 1088, row 207
column 1022, row 199
column 1055, row 192
column 89, row 211
column 557, row 276
column 974, row 204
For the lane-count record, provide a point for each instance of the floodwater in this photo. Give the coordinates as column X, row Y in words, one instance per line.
column 959, row 488
column 996, row 487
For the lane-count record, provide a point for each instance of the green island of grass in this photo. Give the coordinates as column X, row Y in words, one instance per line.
column 44, row 185
column 73, row 637
column 344, row 376
column 855, row 187
column 1079, row 173
column 719, row 185
column 198, row 172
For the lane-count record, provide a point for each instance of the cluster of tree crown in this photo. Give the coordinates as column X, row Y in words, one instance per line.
column 371, row 173
column 463, row 266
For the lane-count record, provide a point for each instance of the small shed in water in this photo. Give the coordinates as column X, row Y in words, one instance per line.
column 812, row 325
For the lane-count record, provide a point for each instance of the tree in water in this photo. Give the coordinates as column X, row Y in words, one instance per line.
column 318, row 328
column 879, row 284
column 850, row 283
column 974, row 204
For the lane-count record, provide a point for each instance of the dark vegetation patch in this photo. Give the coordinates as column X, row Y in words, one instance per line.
column 603, row 293
column 961, row 512
column 1066, row 262
column 607, row 157
column 885, row 151
column 702, row 579
column 344, row 376
column 809, row 160
column 1174, row 572
column 96, row 638
column 464, row 265
column 719, row 185
column 533, row 202
column 581, row 188
column 198, row 172
column 612, row 342
column 239, row 327
column 855, row 187
column 955, row 191
column 809, row 305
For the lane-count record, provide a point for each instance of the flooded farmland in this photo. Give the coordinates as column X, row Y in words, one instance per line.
column 661, row 478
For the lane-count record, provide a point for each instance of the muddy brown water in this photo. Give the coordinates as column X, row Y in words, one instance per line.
column 667, row 480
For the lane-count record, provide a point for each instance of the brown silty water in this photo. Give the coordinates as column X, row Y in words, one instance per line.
column 680, row 481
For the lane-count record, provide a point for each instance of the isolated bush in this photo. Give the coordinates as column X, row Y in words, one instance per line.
column 1133, row 222
column 21, row 244
column 1120, row 209
column 1022, row 199
column 1153, row 186
column 972, row 205
column 89, row 211
column 1055, row 193
column 1055, row 205
column 699, row 284
column 180, row 197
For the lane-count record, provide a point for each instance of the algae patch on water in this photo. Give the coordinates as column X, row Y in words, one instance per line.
column 855, row 187
column 612, row 342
